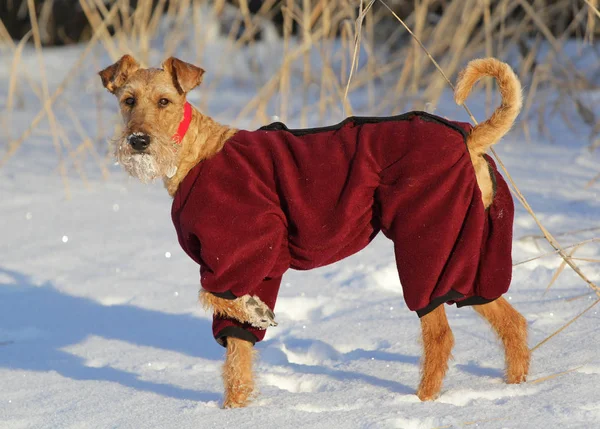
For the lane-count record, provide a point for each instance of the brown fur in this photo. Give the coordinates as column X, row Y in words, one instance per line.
column 490, row 131
column 238, row 373
column 206, row 137
column 223, row 307
column 511, row 328
column 437, row 348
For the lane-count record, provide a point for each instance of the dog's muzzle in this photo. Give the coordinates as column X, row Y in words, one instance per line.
column 139, row 141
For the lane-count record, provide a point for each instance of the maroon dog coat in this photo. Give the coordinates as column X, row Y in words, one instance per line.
column 275, row 199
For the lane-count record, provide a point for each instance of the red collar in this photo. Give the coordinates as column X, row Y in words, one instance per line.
column 184, row 124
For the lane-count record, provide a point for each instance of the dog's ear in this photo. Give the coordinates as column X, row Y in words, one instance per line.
column 185, row 76
column 114, row 76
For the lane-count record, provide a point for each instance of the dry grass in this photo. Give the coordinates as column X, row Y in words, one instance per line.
column 341, row 49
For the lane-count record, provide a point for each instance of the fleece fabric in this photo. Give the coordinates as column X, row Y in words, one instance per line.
column 275, row 199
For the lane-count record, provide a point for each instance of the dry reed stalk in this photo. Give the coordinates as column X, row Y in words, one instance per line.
column 558, row 374
column 218, row 7
column 357, row 38
column 265, row 12
column 457, row 47
column 72, row 155
column 120, row 35
column 46, row 95
column 560, row 269
column 175, row 37
column 93, row 17
column 284, row 83
column 421, row 11
column 592, row 181
column 98, row 105
column 267, row 91
column 565, row 326
column 309, row 18
column 445, row 29
column 12, row 47
column 569, row 67
column 14, row 145
column 383, row 69
column 200, row 42
column 575, row 298
column 345, row 36
column 489, row 52
column 402, row 82
column 325, row 51
column 306, row 78
column 127, row 24
column 591, row 22
column 561, row 234
column 554, row 252
column 245, row 10
column 251, row 43
column 5, row 36
column 14, row 72
column 535, row 81
column 371, row 59
column 156, row 16
column 141, row 20
column 587, row 260
column 87, row 141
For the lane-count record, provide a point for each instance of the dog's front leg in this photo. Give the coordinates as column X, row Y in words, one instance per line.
column 245, row 309
column 238, row 373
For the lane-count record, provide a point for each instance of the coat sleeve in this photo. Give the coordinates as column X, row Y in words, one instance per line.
column 239, row 252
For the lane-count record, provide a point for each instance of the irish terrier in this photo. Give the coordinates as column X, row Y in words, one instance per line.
column 248, row 205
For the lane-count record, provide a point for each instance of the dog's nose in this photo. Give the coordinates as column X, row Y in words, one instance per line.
column 139, row 141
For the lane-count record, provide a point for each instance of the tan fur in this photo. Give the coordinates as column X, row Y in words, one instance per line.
column 437, row 348
column 223, row 307
column 206, row 137
column 511, row 328
column 238, row 373
column 484, row 135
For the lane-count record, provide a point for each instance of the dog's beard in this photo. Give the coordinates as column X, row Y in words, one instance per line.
column 157, row 161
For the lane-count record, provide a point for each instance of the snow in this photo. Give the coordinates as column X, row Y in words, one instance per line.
column 100, row 325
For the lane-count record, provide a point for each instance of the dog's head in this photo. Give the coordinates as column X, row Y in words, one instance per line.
column 152, row 103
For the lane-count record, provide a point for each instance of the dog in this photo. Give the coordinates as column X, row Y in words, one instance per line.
column 248, row 205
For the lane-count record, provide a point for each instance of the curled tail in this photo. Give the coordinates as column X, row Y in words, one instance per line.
column 491, row 130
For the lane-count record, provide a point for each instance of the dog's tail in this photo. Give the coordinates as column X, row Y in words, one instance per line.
column 491, row 130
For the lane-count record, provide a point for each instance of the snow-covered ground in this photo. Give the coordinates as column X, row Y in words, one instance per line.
column 100, row 327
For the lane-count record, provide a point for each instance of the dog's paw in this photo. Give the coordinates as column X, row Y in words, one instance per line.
column 259, row 314
column 426, row 396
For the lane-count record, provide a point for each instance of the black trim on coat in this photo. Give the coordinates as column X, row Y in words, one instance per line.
column 235, row 332
column 225, row 295
column 474, row 300
column 451, row 295
column 359, row 120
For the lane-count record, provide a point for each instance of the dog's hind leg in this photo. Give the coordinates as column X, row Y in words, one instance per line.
column 238, row 373
column 437, row 347
column 511, row 328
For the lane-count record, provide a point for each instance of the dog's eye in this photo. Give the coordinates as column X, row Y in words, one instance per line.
column 163, row 102
column 130, row 101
